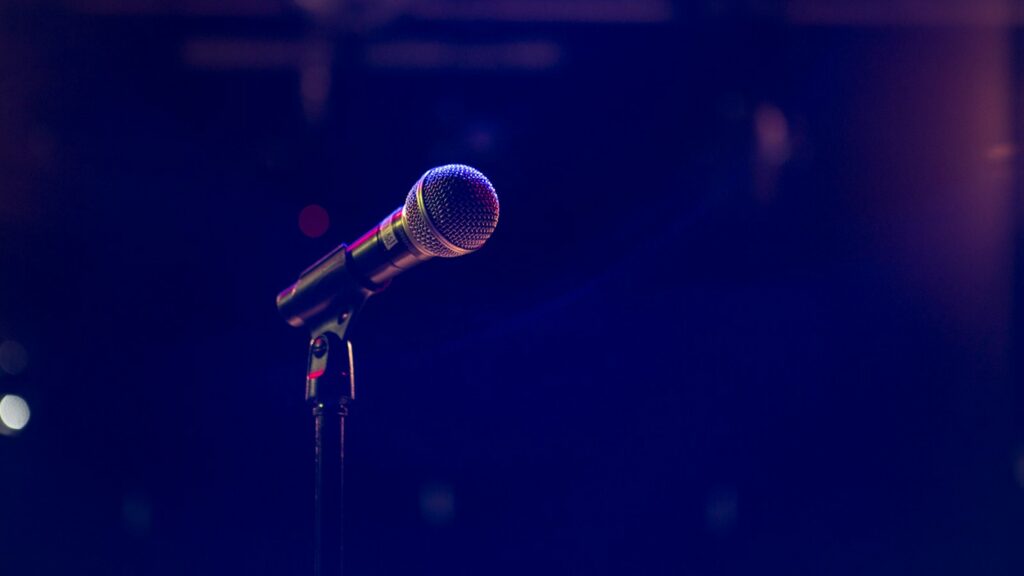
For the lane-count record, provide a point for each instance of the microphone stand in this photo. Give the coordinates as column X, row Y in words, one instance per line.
column 325, row 299
column 330, row 387
column 329, row 293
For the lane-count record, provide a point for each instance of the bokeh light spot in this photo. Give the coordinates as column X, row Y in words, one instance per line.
column 14, row 412
column 772, row 131
column 314, row 221
column 137, row 513
column 437, row 504
column 13, row 357
column 721, row 510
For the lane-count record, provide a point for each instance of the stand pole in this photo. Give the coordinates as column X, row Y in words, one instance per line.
column 324, row 300
column 329, row 390
column 329, row 535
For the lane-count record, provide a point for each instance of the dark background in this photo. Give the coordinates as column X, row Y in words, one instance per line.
column 752, row 306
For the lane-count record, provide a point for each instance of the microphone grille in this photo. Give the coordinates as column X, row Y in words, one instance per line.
column 451, row 211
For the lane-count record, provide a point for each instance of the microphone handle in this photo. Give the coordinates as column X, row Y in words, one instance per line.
column 385, row 252
column 350, row 274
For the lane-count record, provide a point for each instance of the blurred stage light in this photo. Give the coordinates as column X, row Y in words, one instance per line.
column 14, row 412
column 535, row 11
column 314, row 221
column 420, row 55
column 721, row 510
column 1001, row 152
column 13, row 357
column 437, row 504
column 136, row 513
column 772, row 132
column 774, row 147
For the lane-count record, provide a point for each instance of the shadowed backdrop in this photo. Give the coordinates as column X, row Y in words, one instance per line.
column 751, row 305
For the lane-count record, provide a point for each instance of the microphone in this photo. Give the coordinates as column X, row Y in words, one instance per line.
column 450, row 211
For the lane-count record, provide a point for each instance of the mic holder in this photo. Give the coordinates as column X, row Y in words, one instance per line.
column 325, row 299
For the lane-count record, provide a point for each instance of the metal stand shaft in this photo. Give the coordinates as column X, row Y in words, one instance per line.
column 329, row 390
column 324, row 300
column 329, row 535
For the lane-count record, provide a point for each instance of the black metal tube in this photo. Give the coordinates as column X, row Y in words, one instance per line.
column 328, row 537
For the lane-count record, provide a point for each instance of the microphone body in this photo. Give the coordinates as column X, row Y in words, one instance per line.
column 385, row 252
column 450, row 211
